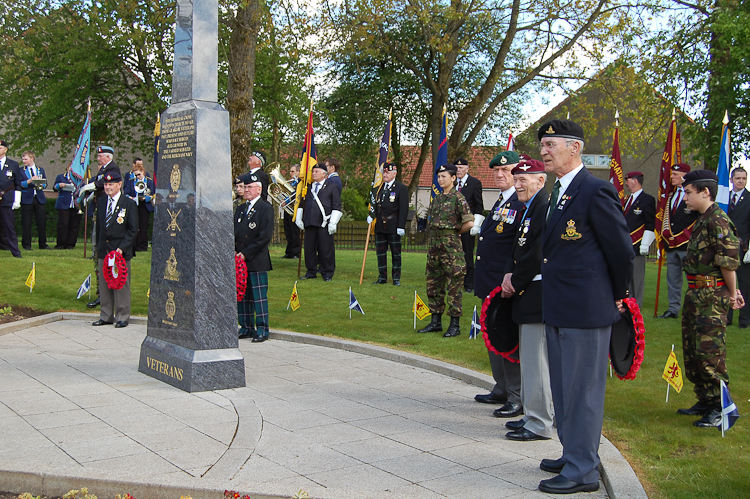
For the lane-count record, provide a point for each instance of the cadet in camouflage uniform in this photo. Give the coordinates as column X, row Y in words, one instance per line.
column 711, row 259
column 449, row 216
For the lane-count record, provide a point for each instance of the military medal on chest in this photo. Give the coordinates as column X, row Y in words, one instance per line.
column 121, row 216
column 392, row 197
column 524, row 231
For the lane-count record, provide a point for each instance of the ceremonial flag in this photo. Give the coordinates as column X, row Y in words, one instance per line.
column 377, row 181
column 31, row 280
column 475, row 327
column 511, row 143
column 157, row 136
column 421, row 310
column 672, row 373
column 85, row 287
column 442, row 157
column 729, row 412
column 615, row 164
column 722, row 171
column 80, row 162
column 354, row 304
column 294, row 299
column 308, row 160
column 665, row 184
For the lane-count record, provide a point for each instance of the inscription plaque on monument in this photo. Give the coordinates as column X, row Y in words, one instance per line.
column 192, row 318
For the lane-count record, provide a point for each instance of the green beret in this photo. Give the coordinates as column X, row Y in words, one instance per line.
column 505, row 158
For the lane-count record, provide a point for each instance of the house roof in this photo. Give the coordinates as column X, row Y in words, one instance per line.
column 479, row 157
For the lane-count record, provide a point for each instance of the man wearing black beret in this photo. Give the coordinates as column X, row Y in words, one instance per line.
column 389, row 214
column 10, row 199
column 587, row 261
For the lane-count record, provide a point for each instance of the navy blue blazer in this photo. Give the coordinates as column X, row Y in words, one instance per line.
column 10, row 182
column 28, row 193
column 587, row 256
column 64, row 197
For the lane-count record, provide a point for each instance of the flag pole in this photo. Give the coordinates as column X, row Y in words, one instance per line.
column 415, row 309
column 668, row 381
column 660, row 239
column 350, row 299
column 658, row 281
column 364, row 257
column 723, row 387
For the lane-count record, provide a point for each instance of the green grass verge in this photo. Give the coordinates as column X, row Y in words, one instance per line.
column 671, row 457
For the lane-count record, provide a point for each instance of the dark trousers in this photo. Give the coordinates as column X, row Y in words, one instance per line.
column 8, row 238
column 382, row 243
column 743, row 284
column 68, row 224
column 319, row 250
column 291, row 231
column 467, row 241
column 507, row 376
column 37, row 209
column 141, row 240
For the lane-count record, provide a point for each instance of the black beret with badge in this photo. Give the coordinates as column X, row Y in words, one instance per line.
column 3, row 143
column 565, row 129
column 461, row 161
column 389, row 167
column 320, row 166
column 261, row 157
column 113, row 176
column 505, row 158
column 450, row 168
column 699, row 176
column 249, row 178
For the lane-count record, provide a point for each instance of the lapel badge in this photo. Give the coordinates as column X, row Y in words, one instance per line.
column 521, row 241
column 571, row 233
column 8, row 173
column 252, row 225
column 687, row 210
column 563, row 200
column 499, row 228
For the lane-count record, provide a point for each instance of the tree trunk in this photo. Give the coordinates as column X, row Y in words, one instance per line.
column 720, row 93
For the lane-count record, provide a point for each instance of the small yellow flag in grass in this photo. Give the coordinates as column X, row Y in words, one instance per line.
column 294, row 299
column 672, row 372
column 31, row 280
column 421, row 310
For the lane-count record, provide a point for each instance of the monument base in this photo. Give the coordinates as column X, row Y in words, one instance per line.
column 192, row 370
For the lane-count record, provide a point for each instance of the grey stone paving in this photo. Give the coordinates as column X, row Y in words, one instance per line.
column 335, row 423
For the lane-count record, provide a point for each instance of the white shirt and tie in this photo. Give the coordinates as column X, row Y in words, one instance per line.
column 111, row 205
column 631, row 199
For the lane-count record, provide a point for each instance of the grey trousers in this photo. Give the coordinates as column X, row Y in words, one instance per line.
column 536, row 394
column 675, row 279
column 638, row 279
column 115, row 303
column 507, row 376
column 578, row 377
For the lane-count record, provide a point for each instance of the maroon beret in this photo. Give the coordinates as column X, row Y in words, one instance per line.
column 634, row 173
column 528, row 166
column 681, row 167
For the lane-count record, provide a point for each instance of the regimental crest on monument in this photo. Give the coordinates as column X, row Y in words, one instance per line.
column 171, row 273
column 170, row 308
column 175, row 177
column 173, row 227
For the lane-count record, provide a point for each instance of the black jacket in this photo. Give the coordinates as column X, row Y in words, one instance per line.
column 10, row 181
column 252, row 234
column 472, row 191
column 740, row 217
column 641, row 213
column 392, row 205
column 122, row 229
column 330, row 199
column 681, row 219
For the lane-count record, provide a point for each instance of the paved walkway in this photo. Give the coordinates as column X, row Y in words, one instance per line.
column 75, row 412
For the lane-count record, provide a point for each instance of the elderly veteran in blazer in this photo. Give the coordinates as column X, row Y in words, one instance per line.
column 587, row 261
column 739, row 212
column 116, row 229
column 523, row 282
column 389, row 214
column 640, row 215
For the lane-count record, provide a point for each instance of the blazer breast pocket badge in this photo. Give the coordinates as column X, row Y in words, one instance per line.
column 571, row 233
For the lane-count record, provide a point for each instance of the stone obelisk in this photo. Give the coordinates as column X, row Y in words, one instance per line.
column 192, row 311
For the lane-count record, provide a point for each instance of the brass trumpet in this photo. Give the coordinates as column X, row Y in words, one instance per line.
column 141, row 188
column 281, row 190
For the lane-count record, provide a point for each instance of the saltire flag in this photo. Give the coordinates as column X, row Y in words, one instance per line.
column 80, row 162
column 475, row 326
column 442, row 157
column 157, row 136
column 665, row 184
column 354, row 304
column 672, row 373
column 722, row 171
column 308, row 160
column 294, row 299
column 615, row 166
column 511, row 143
column 31, row 280
column 377, row 181
column 85, row 287
column 729, row 412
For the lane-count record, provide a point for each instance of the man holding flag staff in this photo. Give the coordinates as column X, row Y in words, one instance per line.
column 390, row 210
column 712, row 256
column 640, row 215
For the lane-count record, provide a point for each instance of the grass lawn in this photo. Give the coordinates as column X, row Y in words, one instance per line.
column 672, row 458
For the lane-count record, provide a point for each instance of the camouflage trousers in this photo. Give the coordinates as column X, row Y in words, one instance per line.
column 445, row 271
column 704, row 324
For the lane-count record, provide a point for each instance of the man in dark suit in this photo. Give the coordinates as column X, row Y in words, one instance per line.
column 116, row 229
column 68, row 218
column 471, row 188
column 587, row 261
column 256, row 163
column 678, row 225
column 33, row 201
column 319, row 219
column 523, row 282
column 739, row 213
column 640, row 215
column 10, row 199
column 291, row 231
column 253, row 228
column 143, row 199
column 332, row 166
column 389, row 212
column 493, row 250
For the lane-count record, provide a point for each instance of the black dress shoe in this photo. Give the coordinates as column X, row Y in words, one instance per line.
column 259, row 340
column 45, row 247
column 561, row 485
column 515, row 425
column 552, row 465
column 524, row 435
column 17, row 256
column 490, row 398
column 668, row 315
column 27, row 248
column 509, row 410
column 247, row 334
column 121, row 324
column 93, row 304
column 396, row 282
column 711, row 419
column 327, row 279
column 100, row 323
column 699, row 409
column 307, row 277
column 381, row 281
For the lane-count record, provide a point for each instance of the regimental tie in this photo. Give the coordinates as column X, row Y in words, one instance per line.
column 627, row 205
column 733, row 200
column 110, row 212
column 553, row 198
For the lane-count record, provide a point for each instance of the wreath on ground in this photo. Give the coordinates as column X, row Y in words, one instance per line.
column 241, row 273
column 115, row 275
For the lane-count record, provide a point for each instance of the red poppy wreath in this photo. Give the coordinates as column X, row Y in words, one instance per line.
column 115, row 275
column 241, row 273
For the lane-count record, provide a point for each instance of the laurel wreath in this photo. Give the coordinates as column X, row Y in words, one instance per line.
column 115, row 276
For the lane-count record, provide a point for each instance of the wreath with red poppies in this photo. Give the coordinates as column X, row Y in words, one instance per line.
column 241, row 273
column 512, row 355
column 115, row 275
column 640, row 338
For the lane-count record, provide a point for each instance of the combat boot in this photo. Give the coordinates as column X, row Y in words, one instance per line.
column 435, row 325
column 454, row 329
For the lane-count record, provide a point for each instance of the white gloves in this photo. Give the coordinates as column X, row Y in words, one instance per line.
column 369, row 220
column 88, row 199
column 746, row 259
column 477, row 228
column 17, row 200
column 298, row 221
column 333, row 221
column 400, row 232
column 648, row 238
column 88, row 187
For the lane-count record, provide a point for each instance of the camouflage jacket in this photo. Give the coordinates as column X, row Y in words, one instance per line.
column 713, row 244
column 449, row 211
